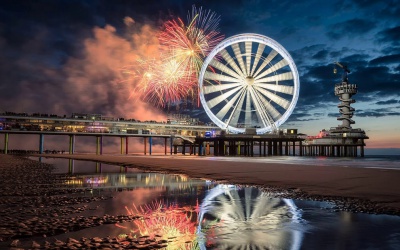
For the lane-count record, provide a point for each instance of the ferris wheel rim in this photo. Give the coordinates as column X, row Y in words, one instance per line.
column 266, row 41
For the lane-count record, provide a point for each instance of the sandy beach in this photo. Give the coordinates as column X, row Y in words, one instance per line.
column 358, row 189
column 37, row 208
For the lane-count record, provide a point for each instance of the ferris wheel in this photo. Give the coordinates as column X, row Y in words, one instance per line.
column 249, row 81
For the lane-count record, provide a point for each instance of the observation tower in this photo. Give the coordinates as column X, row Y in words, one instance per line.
column 345, row 91
column 342, row 140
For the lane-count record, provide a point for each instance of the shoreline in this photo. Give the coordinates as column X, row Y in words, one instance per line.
column 366, row 190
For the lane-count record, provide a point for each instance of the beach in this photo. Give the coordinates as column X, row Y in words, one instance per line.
column 36, row 209
column 358, row 189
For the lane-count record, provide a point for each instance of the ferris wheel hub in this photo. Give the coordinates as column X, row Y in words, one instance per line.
column 249, row 80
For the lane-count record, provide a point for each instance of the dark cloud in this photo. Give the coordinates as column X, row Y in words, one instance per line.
column 387, row 102
column 321, row 55
column 350, row 28
column 391, row 36
column 384, row 60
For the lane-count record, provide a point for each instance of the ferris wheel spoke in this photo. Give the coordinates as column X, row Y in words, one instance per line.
column 274, row 87
column 218, row 77
column 219, row 87
column 231, row 62
column 216, row 100
column 247, row 117
column 267, row 60
column 222, row 113
column 276, row 78
column 223, row 68
column 282, row 63
column 234, row 118
column 248, row 56
column 239, row 58
column 259, row 106
column 267, row 116
column 275, row 98
column 271, row 109
column 260, row 50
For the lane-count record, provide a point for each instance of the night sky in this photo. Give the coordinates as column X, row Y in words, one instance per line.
column 65, row 56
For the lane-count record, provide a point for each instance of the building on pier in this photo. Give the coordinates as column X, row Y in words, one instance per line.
column 342, row 140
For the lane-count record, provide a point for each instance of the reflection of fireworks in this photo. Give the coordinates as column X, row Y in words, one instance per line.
column 183, row 48
column 166, row 221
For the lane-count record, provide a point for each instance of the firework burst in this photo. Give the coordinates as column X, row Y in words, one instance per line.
column 183, row 48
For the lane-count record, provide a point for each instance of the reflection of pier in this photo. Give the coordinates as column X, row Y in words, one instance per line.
column 118, row 181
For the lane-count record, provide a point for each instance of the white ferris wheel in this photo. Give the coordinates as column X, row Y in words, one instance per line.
column 249, row 81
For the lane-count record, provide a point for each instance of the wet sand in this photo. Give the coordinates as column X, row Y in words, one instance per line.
column 37, row 208
column 357, row 189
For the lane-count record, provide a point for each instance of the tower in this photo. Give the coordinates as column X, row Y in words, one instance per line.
column 345, row 91
column 342, row 140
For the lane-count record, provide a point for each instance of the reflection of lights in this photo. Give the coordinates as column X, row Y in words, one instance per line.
column 96, row 180
column 248, row 218
column 74, row 182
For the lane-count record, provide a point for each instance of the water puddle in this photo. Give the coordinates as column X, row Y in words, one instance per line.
column 200, row 214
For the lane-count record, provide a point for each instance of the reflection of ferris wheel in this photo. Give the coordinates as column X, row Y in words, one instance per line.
column 249, row 80
column 247, row 218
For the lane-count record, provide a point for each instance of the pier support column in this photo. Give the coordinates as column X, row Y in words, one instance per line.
column 362, row 151
column 275, row 148
column 279, row 148
column 72, row 144
column 294, row 148
column 165, row 146
column 264, row 148
column 6, row 143
column 301, row 148
column 269, row 148
column 171, row 139
column 287, row 148
column 145, row 145
column 126, row 145
column 122, row 143
column 201, row 148
column 150, row 145
column 184, row 148
column 41, row 143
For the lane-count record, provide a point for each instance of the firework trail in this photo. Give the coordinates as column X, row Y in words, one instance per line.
column 183, row 48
